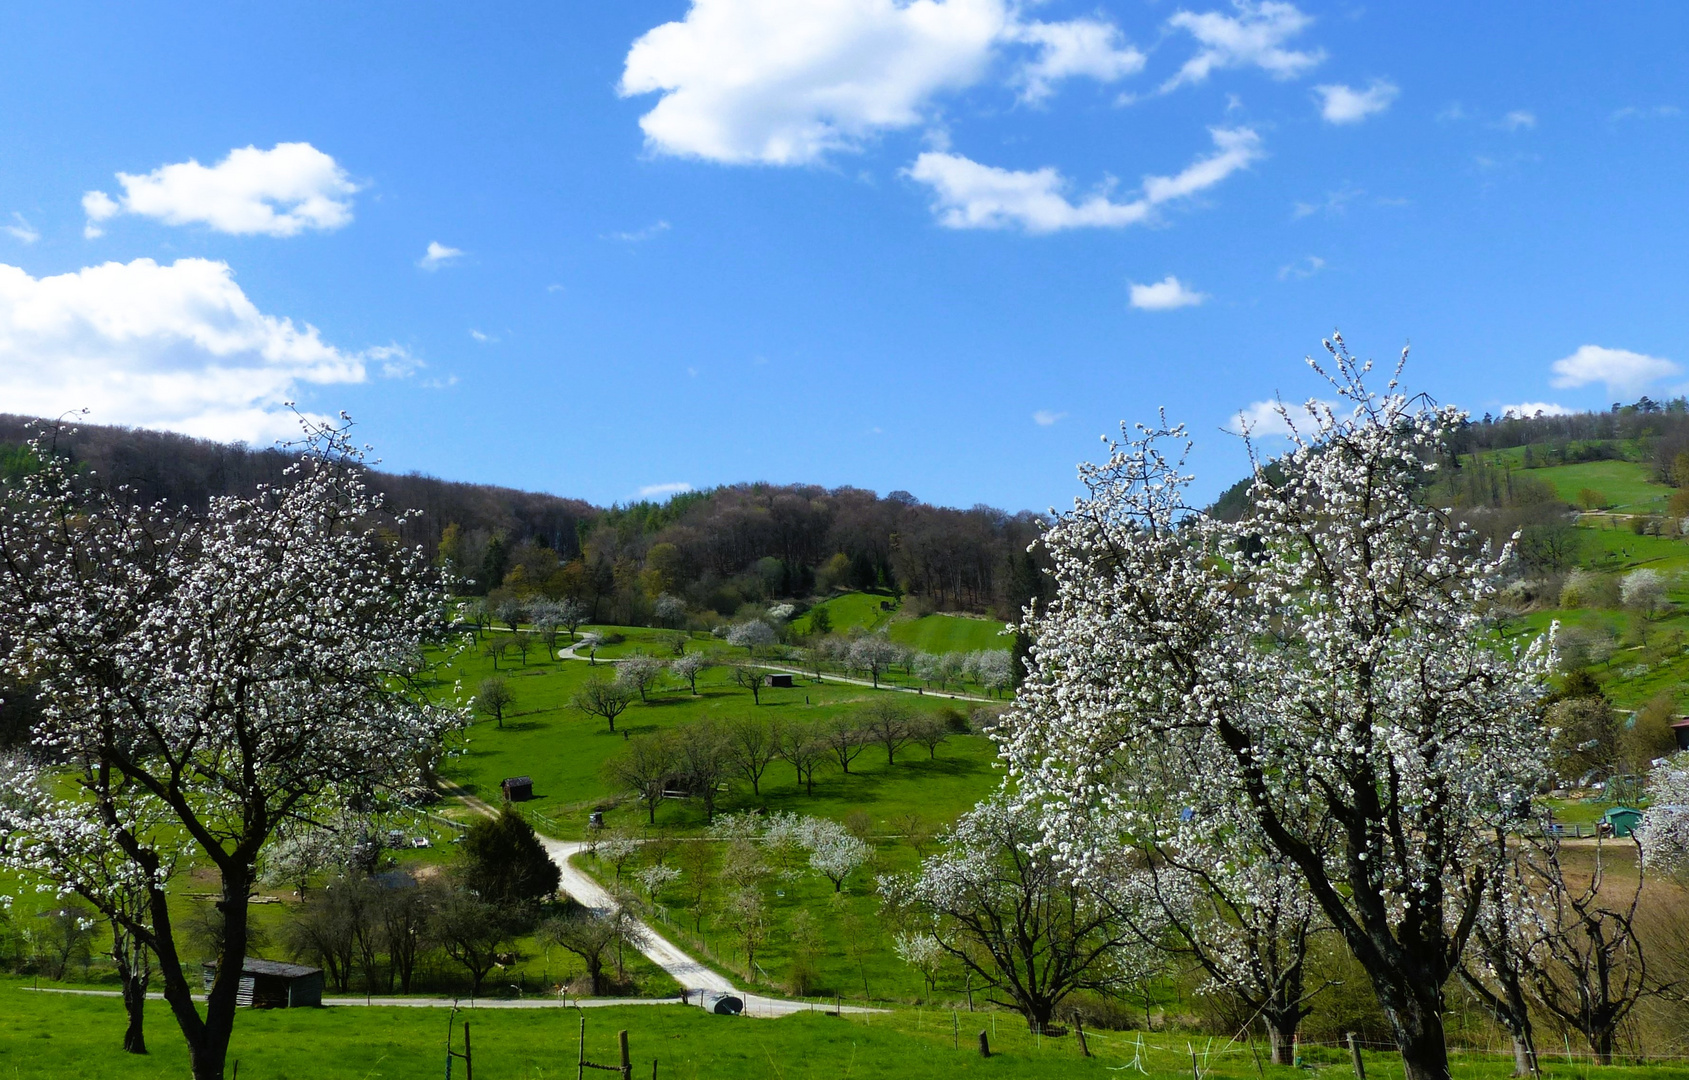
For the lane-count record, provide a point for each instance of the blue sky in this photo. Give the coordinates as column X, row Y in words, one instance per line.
column 866, row 242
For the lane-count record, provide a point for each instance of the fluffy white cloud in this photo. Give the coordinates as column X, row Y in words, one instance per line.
column 1535, row 408
column 1255, row 37
column 179, row 347
column 437, row 255
column 782, row 83
column 968, row 195
column 1519, row 118
column 1265, row 419
column 1046, row 418
column 662, row 491
column 1088, row 47
column 1165, row 295
column 276, row 192
column 1341, row 104
column 1624, row 372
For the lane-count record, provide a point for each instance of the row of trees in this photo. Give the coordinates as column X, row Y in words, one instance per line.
column 697, row 759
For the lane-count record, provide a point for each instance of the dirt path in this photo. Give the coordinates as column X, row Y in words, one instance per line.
column 692, row 975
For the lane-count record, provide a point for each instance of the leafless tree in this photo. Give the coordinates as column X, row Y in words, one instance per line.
column 752, row 744
column 846, row 741
column 645, row 766
column 803, row 747
column 603, row 697
column 887, row 722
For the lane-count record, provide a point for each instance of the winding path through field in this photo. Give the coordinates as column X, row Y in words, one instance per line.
column 689, row 973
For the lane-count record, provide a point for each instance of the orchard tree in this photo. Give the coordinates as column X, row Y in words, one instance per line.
column 640, row 673
column 874, row 654
column 645, row 767
column 1003, row 903
column 752, row 635
column 571, row 614
column 1664, row 833
column 804, row 748
column 206, row 679
column 1324, row 663
column 607, row 698
column 492, row 697
column 688, row 667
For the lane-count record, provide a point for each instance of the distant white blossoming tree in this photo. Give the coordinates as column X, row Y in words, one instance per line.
column 208, row 679
column 1324, row 663
column 1664, row 832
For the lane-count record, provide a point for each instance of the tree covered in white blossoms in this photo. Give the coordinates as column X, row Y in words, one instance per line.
column 1224, row 899
column 1004, row 905
column 1324, row 664
column 209, row 680
column 1664, row 832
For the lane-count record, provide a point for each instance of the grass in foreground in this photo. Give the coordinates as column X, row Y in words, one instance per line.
column 50, row 1035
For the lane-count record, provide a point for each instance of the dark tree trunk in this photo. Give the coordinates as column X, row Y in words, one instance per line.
column 1282, row 1037
column 135, row 1005
column 1419, row 1036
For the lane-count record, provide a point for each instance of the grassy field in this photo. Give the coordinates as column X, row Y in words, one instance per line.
column 564, row 750
column 1626, row 486
column 849, row 611
column 948, row 633
column 46, row 1036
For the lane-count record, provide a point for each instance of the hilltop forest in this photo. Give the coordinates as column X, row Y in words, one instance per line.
column 718, row 550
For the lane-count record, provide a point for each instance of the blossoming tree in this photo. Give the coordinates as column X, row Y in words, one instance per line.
column 208, row 679
column 1325, row 664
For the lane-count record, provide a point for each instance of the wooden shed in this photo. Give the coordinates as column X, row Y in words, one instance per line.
column 270, row 984
column 1621, row 820
column 518, row 789
column 1680, row 728
column 782, row 681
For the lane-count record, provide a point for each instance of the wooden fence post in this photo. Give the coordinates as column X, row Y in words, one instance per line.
column 1355, row 1057
column 1079, row 1030
column 627, row 1063
column 984, row 1046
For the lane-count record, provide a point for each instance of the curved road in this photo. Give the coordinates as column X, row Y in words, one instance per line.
column 689, row 973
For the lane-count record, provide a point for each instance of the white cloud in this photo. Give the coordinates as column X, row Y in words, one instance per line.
column 969, row 195
column 1046, row 418
column 1335, row 205
column 1632, row 112
column 782, row 83
column 1624, row 372
column 655, row 229
column 99, row 207
column 1254, row 38
column 276, row 192
column 483, row 338
column 1165, row 295
column 1535, row 408
column 21, row 230
column 1301, row 268
column 1265, row 419
column 1341, row 104
column 178, row 346
column 1519, row 118
column 438, row 255
column 1088, row 47
column 658, row 491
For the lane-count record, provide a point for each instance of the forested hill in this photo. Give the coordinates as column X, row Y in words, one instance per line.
column 716, row 549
